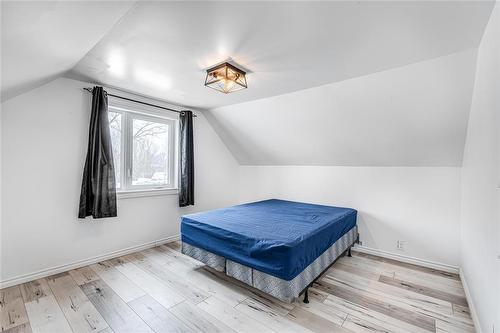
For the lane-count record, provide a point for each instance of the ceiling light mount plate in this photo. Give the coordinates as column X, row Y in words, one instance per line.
column 226, row 78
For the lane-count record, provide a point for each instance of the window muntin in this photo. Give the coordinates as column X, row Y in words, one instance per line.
column 115, row 130
column 144, row 150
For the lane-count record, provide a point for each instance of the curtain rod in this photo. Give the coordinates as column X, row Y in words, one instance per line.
column 136, row 101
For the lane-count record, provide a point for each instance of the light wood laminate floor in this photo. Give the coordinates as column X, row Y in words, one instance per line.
column 162, row 290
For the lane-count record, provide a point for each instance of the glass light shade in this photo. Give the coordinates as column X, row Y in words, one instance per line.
column 226, row 78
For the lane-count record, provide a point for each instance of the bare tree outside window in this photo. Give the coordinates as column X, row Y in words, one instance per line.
column 150, row 153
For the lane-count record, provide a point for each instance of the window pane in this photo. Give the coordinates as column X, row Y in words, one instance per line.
column 150, row 153
column 115, row 126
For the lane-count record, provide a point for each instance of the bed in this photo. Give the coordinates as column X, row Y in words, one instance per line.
column 279, row 247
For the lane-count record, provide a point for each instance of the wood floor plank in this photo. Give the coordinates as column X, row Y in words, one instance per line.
column 456, row 320
column 199, row 320
column 416, row 304
column 357, row 271
column 316, row 294
column 377, row 305
column 189, row 291
column 230, row 293
column 160, row 291
column 362, row 326
column 33, row 290
column 204, row 279
column 23, row 328
column 84, row 275
column 106, row 330
column 178, row 256
column 142, row 291
column 231, row 316
column 120, row 284
column 171, row 262
column 314, row 322
column 12, row 310
column 78, row 310
column 391, row 324
column 462, row 312
column 413, row 267
column 174, row 245
column 267, row 316
column 156, row 316
column 46, row 316
column 404, row 273
column 157, row 256
column 392, row 292
column 269, row 304
column 332, row 314
column 423, row 278
column 119, row 316
column 446, row 327
column 454, row 288
column 245, row 291
column 454, row 299
column 368, row 269
column 434, row 305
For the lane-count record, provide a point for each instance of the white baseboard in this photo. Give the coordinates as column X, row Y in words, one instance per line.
column 407, row 259
column 81, row 263
column 472, row 308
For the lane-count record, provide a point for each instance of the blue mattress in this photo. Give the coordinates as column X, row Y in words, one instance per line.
column 277, row 237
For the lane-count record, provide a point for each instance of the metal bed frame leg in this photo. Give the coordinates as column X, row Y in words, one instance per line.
column 306, row 289
column 306, row 296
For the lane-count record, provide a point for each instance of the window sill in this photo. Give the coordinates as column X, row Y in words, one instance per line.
column 146, row 193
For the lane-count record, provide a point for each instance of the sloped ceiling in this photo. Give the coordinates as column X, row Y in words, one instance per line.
column 163, row 48
column 414, row 115
column 330, row 83
column 43, row 39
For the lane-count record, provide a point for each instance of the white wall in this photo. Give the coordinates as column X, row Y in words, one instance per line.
column 45, row 138
column 480, row 219
column 1, row 189
column 415, row 204
column 44, row 146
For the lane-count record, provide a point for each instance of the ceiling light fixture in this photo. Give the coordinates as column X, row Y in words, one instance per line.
column 226, row 78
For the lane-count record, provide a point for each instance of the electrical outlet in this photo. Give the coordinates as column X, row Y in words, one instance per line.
column 400, row 245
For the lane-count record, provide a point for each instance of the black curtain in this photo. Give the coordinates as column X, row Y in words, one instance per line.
column 98, row 195
column 186, row 194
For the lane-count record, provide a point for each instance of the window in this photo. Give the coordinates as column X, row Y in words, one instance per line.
column 144, row 149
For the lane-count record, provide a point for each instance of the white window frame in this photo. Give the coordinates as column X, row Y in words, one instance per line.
column 130, row 111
